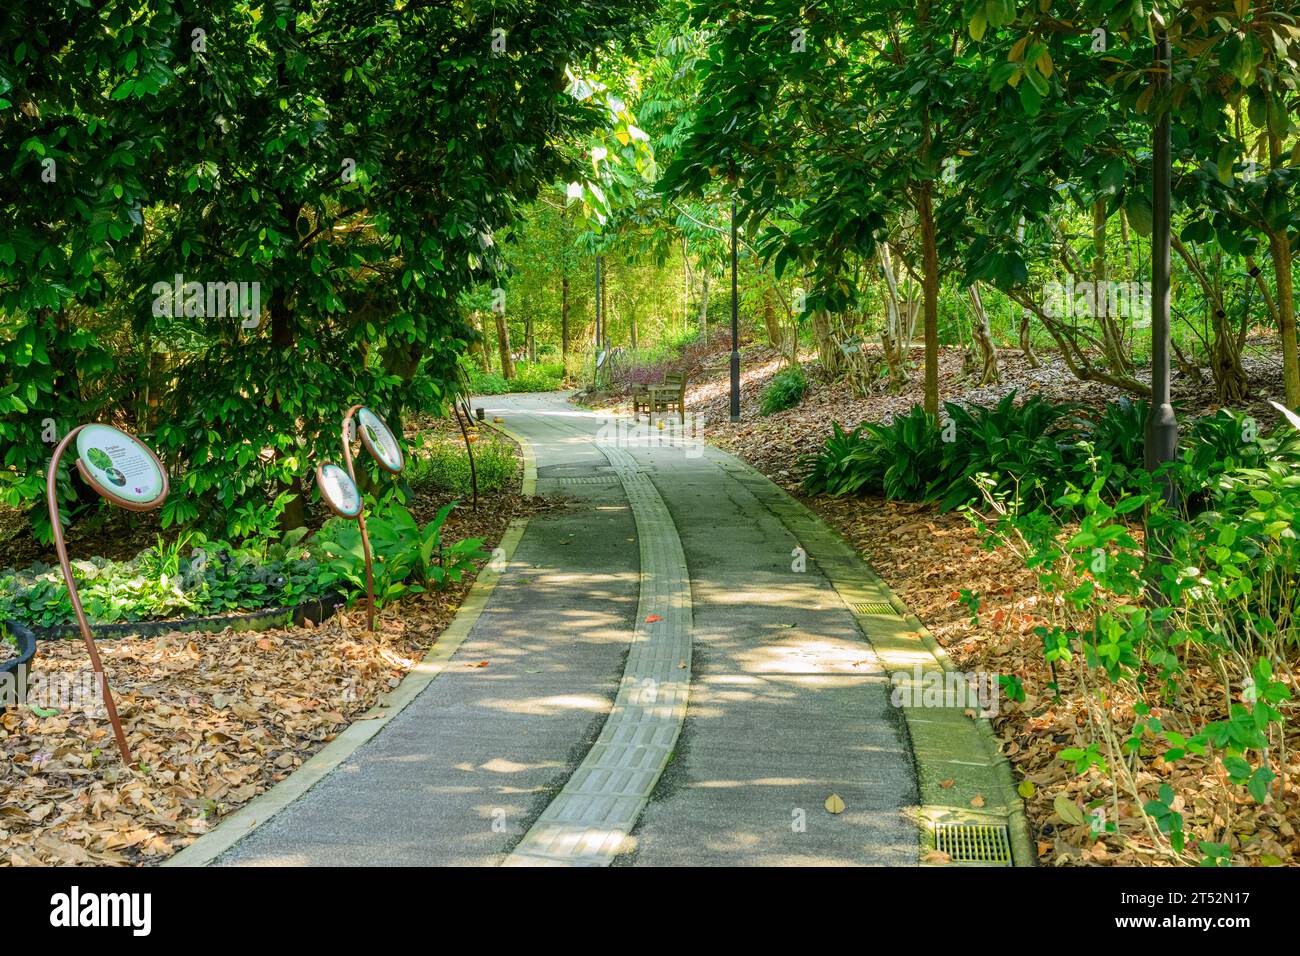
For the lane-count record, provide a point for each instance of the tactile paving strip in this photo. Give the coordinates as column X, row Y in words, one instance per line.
column 584, row 480
column 589, row 820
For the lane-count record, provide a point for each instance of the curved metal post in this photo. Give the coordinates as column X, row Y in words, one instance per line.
column 52, row 499
column 361, row 518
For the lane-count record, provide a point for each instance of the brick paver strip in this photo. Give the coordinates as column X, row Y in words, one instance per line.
column 589, row 820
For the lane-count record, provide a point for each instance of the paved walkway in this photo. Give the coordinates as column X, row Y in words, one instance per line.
column 669, row 682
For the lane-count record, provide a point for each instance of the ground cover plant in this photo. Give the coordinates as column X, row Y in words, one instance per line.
column 189, row 578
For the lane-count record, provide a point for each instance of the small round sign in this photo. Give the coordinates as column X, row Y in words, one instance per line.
column 339, row 490
column 379, row 441
column 121, row 468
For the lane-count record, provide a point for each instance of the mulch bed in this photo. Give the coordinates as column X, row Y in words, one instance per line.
column 212, row 720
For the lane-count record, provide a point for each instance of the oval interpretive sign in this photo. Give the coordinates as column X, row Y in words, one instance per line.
column 380, row 441
column 339, row 490
column 121, row 467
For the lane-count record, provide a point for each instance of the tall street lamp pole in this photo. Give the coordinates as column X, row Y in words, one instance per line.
column 735, row 338
column 598, row 304
column 1162, row 426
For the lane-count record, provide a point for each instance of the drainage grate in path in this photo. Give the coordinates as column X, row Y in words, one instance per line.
column 873, row 607
column 973, row 843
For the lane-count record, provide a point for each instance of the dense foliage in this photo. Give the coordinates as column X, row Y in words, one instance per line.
column 439, row 464
column 1220, row 608
column 354, row 161
column 193, row 577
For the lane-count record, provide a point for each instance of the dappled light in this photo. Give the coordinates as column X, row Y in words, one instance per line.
column 649, row 433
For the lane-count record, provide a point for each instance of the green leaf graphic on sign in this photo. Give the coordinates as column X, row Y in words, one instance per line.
column 99, row 458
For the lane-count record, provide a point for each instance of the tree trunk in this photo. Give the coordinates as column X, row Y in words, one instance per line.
column 982, row 339
column 896, row 337
column 477, row 348
column 930, row 291
column 1280, row 246
column 828, row 350
column 1111, row 335
column 1078, row 357
column 1231, row 384
column 704, row 307
column 503, row 346
column 295, row 512
column 564, row 323
column 1027, row 341
column 772, row 321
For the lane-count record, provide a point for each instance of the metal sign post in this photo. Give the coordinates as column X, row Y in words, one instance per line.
column 124, row 470
column 382, row 444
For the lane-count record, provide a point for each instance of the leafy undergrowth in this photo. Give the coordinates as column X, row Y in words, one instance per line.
column 212, row 720
column 930, row 558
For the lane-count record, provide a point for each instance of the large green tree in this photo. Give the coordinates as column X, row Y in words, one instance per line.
column 355, row 161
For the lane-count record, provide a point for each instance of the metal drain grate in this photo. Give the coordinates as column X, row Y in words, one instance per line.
column 874, row 607
column 973, row 843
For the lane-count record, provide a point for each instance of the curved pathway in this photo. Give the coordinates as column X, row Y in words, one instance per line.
column 669, row 680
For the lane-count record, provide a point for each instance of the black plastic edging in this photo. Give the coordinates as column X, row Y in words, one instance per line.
column 263, row 620
column 17, row 666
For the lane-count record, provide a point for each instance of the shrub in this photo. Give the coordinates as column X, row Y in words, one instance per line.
column 785, row 391
column 486, row 383
column 439, row 463
column 839, row 469
column 1225, row 613
column 538, row 377
column 529, row 377
column 1119, row 432
column 908, row 458
column 1024, row 451
column 407, row 558
column 1031, row 453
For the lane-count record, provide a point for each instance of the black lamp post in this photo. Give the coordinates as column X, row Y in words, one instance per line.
column 1162, row 426
column 735, row 338
column 598, row 303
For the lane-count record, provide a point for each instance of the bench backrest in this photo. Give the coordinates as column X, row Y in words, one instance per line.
column 674, row 379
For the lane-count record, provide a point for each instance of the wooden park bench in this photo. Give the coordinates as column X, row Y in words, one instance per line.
column 640, row 394
column 669, row 395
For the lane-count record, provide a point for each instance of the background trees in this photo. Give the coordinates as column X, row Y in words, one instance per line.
column 903, row 171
